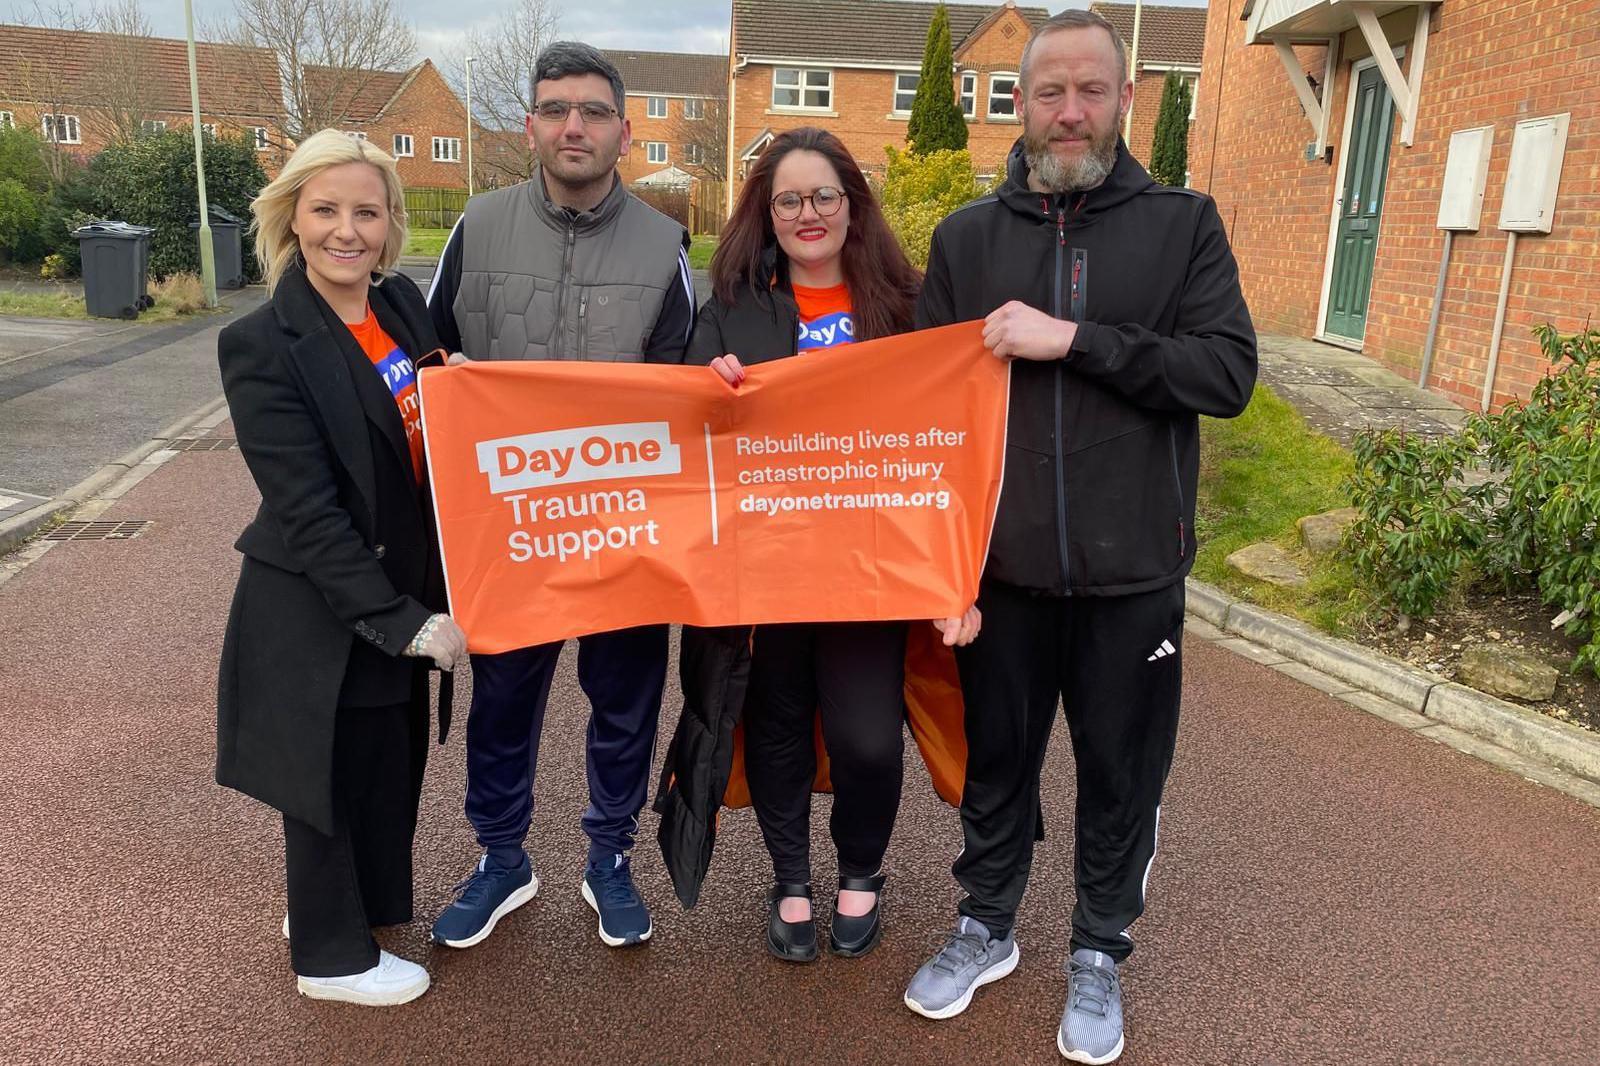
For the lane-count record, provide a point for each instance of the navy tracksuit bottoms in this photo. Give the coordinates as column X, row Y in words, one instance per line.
column 622, row 673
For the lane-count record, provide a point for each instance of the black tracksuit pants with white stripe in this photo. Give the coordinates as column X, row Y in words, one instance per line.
column 1107, row 660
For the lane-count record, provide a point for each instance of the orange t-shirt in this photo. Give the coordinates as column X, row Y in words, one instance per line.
column 400, row 374
column 826, row 318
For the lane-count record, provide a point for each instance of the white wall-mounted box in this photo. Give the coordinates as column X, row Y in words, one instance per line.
column 1466, row 172
column 1537, row 150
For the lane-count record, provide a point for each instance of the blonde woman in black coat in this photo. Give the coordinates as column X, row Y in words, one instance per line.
column 322, row 705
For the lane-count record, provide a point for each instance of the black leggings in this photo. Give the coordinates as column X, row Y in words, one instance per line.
column 851, row 674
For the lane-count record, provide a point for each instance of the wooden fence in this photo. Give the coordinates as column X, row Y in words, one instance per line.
column 434, row 208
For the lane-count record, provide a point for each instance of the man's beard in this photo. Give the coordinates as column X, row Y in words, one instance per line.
column 1086, row 172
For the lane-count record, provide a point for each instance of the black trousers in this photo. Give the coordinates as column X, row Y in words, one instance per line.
column 853, row 675
column 360, row 876
column 1115, row 664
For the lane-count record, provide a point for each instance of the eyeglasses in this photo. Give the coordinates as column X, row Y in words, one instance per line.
column 825, row 201
column 592, row 112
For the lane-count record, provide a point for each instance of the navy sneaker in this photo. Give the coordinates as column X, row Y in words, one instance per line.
column 608, row 888
column 487, row 894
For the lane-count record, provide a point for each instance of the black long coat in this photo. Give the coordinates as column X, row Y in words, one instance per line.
column 340, row 564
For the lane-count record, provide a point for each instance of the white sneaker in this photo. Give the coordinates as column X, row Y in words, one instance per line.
column 392, row 982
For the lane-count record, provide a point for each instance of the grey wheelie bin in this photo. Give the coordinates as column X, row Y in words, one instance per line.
column 116, row 260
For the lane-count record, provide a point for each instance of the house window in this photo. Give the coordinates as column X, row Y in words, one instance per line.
column 403, row 146
column 655, row 151
column 7, row 120
column 691, row 154
column 259, row 134
column 969, row 93
column 61, row 129
column 809, row 90
column 656, row 107
column 905, row 91
column 694, row 108
column 1194, row 97
column 209, row 129
column 1000, row 103
column 152, row 126
column 357, row 135
column 447, row 149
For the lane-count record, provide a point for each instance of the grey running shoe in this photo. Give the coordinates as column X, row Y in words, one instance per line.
column 1091, row 1026
column 943, row 987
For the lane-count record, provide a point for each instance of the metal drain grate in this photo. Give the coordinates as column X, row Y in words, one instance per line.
column 98, row 530
column 202, row 444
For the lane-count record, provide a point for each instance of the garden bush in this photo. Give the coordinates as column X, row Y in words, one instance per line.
column 919, row 190
column 150, row 181
column 1533, row 521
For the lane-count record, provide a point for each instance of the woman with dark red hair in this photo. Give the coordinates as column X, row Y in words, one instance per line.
column 806, row 263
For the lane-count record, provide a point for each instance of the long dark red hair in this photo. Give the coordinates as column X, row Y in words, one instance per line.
column 883, row 284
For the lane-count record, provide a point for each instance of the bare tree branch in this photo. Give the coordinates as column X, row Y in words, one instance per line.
column 324, row 56
column 119, row 91
column 502, row 68
column 708, row 136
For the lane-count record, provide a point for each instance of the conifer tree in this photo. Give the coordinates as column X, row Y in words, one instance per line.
column 936, row 120
column 1169, row 151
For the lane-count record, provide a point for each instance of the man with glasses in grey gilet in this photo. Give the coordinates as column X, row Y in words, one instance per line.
column 567, row 265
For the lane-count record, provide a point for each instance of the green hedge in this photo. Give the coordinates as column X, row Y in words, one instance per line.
column 151, row 182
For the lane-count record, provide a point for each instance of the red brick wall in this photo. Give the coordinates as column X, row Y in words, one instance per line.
column 1489, row 62
column 425, row 109
column 670, row 130
column 95, row 134
column 864, row 99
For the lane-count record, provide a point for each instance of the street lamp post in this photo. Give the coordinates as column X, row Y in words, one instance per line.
column 1133, row 71
column 208, row 262
column 469, row 127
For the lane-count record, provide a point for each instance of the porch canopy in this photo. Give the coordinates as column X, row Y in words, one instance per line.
column 1285, row 23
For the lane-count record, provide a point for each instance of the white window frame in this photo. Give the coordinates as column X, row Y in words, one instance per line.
column 49, row 125
column 967, row 99
column 7, row 120
column 1001, row 116
column 261, row 138
column 404, row 146
column 452, row 149
column 651, row 152
column 694, row 108
column 899, row 91
column 152, row 125
column 693, row 155
column 1194, row 97
column 655, row 107
column 802, row 85
column 209, row 129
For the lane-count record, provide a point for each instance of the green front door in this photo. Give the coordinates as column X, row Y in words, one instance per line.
column 1357, row 241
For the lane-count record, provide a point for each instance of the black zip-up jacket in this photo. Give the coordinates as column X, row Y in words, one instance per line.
column 1102, row 448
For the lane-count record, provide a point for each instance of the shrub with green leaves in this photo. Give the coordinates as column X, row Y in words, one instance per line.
column 919, row 190
column 150, row 181
column 1415, row 534
column 1534, row 521
column 24, row 195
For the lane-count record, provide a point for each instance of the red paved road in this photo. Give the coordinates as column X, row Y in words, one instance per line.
column 1329, row 889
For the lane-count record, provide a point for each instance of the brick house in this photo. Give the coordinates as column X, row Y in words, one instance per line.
column 859, row 84
column 676, row 109
column 80, row 90
column 1171, row 39
column 1328, row 162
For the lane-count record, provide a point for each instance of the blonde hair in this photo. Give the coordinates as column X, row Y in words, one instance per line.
column 274, row 206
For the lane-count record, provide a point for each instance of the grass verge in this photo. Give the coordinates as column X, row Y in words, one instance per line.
column 700, row 249
column 65, row 303
column 1259, row 473
column 426, row 242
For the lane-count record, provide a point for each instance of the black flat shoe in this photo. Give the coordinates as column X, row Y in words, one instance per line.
column 854, row 935
column 790, row 941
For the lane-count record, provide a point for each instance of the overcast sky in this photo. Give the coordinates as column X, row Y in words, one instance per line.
column 672, row 26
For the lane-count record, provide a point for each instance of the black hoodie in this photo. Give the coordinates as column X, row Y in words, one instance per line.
column 1102, row 449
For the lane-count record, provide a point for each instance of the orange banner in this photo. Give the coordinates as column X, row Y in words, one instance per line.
column 853, row 484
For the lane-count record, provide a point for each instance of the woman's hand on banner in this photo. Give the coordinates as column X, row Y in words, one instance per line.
column 960, row 631
column 1017, row 331
column 729, row 369
column 441, row 640
column 456, row 359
